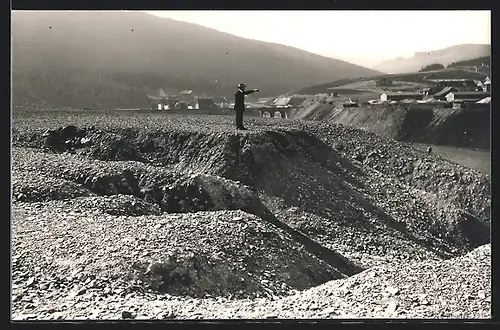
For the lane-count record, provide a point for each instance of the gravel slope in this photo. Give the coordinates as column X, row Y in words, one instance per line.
column 181, row 217
column 223, row 253
column 456, row 288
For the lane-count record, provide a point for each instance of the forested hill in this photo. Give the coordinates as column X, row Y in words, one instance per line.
column 113, row 59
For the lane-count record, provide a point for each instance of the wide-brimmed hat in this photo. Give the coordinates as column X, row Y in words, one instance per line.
column 242, row 85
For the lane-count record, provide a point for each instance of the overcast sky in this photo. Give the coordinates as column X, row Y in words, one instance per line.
column 362, row 36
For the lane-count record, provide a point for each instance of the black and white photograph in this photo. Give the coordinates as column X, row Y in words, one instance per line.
column 176, row 165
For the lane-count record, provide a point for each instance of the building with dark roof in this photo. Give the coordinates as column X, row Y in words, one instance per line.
column 441, row 95
column 487, row 84
column 400, row 96
column 466, row 96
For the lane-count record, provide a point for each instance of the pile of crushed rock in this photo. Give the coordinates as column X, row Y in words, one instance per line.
column 465, row 187
column 456, row 288
column 134, row 212
column 222, row 253
column 202, row 143
column 41, row 176
column 293, row 166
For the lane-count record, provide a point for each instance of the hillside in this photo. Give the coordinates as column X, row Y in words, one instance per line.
column 410, row 77
column 112, row 59
column 443, row 56
column 486, row 60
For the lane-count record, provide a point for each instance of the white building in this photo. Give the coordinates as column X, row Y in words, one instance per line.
column 487, row 84
column 450, row 97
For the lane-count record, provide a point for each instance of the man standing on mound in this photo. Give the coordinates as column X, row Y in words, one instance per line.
column 239, row 104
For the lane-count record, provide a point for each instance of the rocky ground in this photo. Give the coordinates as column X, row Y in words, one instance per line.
column 473, row 158
column 455, row 288
column 157, row 216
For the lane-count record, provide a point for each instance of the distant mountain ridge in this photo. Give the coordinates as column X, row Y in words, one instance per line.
column 114, row 59
column 442, row 56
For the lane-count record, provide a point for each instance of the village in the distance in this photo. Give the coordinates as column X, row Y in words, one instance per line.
column 427, row 89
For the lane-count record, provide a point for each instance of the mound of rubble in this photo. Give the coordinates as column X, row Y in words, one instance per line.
column 469, row 128
column 27, row 186
column 456, row 288
column 341, row 187
column 188, row 207
column 355, row 210
column 210, row 145
column 171, row 190
column 223, row 253
column 466, row 188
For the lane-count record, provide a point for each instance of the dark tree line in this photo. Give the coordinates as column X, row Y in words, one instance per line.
column 76, row 88
column 486, row 60
column 432, row 67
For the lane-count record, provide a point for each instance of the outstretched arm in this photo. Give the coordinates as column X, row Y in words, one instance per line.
column 251, row 91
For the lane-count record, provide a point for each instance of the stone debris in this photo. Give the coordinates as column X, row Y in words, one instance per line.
column 187, row 219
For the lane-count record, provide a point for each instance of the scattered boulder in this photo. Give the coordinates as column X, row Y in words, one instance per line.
column 64, row 138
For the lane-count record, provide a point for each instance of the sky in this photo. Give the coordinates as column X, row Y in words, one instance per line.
column 363, row 37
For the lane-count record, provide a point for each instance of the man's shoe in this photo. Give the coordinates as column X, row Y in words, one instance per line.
column 242, row 128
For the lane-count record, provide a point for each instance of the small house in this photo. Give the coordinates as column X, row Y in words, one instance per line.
column 450, row 97
column 426, row 91
column 479, row 85
column 441, row 95
column 321, row 97
column 487, row 84
column 163, row 106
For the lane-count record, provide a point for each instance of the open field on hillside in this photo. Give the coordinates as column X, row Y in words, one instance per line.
column 370, row 85
column 416, row 78
column 129, row 215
